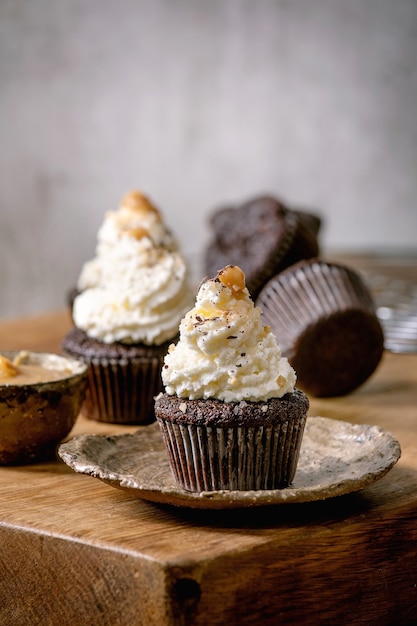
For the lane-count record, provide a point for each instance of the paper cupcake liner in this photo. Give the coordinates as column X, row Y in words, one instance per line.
column 122, row 391
column 236, row 458
column 325, row 321
column 307, row 292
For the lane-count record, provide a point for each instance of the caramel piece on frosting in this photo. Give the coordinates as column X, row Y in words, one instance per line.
column 136, row 201
column 233, row 277
column 138, row 233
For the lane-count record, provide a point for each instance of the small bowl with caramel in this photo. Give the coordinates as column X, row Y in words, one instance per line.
column 40, row 398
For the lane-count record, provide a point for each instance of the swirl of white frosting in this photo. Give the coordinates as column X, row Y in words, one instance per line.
column 136, row 216
column 134, row 290
column 224, row 350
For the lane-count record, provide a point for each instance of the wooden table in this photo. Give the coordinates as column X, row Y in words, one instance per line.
column 75, row 551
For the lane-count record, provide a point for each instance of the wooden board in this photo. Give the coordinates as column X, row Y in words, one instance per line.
column 74, row 550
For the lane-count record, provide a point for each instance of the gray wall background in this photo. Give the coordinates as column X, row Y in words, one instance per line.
column 199, row 103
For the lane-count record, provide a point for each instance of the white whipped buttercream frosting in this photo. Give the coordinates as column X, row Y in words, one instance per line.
column 136, row 289
column 136, row 216
column 224, row 351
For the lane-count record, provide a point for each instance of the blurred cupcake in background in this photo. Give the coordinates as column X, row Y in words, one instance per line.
column 130, row 299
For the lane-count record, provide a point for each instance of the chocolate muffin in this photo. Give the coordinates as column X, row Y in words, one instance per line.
column 325, row 319
column 262, row 236
column 311, row 222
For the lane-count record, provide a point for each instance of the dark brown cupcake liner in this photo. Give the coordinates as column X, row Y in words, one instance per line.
column 324, row 312
column 308, row 291
column 122, row 391
column 206, row 458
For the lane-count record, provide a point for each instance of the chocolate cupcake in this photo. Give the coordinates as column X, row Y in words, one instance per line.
column 325, row 318
column 230, row 416
column 215, row 445
column 122, row 378
column 131, row 298
column 263, row 237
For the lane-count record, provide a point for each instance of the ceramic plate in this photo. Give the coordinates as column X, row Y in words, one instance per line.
column 336, row 458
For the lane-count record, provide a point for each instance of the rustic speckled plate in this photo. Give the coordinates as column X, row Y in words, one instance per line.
column 336, row 458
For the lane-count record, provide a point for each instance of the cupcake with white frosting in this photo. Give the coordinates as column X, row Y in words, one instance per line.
column 131, row 299
column 231, row 416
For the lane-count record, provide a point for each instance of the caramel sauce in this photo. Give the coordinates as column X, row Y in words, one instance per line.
column 21, row 371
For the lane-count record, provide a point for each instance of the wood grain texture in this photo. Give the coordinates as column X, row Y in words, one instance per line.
column 76, row 551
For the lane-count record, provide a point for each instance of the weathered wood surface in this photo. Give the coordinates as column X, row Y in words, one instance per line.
column 76, row 551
